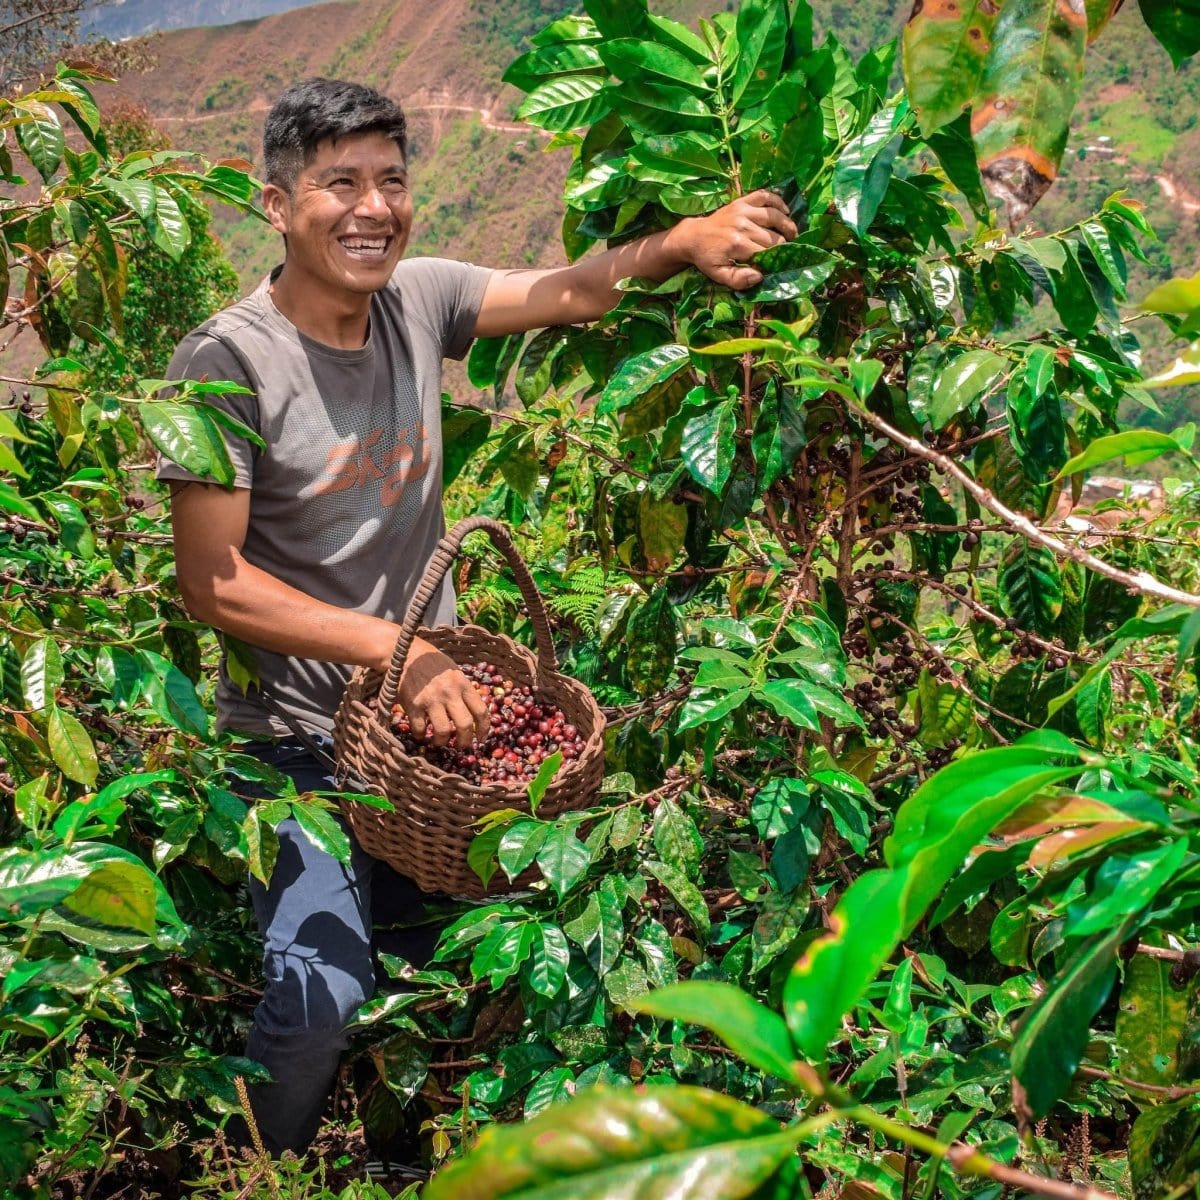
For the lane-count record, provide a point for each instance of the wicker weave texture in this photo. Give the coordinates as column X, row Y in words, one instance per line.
column 431, row 829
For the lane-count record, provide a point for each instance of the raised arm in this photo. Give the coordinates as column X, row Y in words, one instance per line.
column 222, row 589
column 719, row 244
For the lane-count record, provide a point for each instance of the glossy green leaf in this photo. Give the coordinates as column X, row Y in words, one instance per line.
column 1054, row 1033
column 639, row 374
column 629, row 58
column 188, row 438
column 40, row 135
column 464, row 431
column 549, row 955
column 708, row 445
column 748, row 1028
column 779, row 433
column 661, row 108
column 172, row 694
column 710, row 704
column 864, row 167
column 1176, row 24
column 933, row 832
column 762, row 33
column 693, row 155
column 1164, row 1150
column 565, row 103
column 1136, row 446
column 33, row 880
column 563, row 859
column 962, row 382
column 1031, row 588
column 684, row 892
column 791, row 700
column 120, row 894
column 684, row 1142
column 618, row 18
column 41, row 674
column 171, row 230
column 323, row 830
column 71, row 747
column 1123, row 886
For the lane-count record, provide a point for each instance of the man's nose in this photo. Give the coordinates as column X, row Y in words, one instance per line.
column 372, row 202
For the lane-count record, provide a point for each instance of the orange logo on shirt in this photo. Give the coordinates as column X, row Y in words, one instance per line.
column 360, row 462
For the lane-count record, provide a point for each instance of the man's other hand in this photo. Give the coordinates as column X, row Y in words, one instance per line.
column 721, row 243
column 437, row 695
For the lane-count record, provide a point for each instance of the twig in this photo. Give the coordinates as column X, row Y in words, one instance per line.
column 1153, row 1089
column 1141, row 582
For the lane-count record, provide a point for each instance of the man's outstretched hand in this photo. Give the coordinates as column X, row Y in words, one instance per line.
column 722, row 243
column 437, row 695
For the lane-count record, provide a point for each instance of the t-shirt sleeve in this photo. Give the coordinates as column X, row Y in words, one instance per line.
column 202, row 356
column 449, row 295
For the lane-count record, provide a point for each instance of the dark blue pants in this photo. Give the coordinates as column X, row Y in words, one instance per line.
column 316, row 918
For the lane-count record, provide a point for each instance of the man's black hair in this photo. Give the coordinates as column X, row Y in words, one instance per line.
column 319, row 110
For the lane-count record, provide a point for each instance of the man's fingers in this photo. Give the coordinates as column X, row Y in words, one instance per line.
column 441, row 724
column 463, row 721
column 479, row 713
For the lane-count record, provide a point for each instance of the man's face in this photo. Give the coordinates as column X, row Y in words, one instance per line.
column 347, row 219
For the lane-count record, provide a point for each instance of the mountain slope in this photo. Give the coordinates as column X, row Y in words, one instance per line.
column 117, row 19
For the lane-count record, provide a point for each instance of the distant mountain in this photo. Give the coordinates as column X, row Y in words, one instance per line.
column 117, row 19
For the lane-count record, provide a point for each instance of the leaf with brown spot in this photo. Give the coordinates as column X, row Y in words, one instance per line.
column 945, row 52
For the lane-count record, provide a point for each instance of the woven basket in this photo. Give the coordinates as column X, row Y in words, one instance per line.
column 427, row 835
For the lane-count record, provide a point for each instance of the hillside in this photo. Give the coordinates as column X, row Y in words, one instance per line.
column 485, row 190
column 117, row 19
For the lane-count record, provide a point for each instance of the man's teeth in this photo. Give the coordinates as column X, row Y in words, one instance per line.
column 365, row 243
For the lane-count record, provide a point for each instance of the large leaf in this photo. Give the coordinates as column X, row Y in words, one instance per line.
column 944, row 52
column 864, row 167
column 934, row 831
column 1026, row 97
column 1054, row 1033
column 762, row 32
column 1031, row 588
column 119, row 894
column 565, row 103
column 1176, row 23
column 40, row 135
column 748, row 1028
column 682, row 1142
column 187, row 437
column 71, row 747
column 1136, row 446
column 708, row 445
column 962, row 382
column 41, row 673
column 653, row 632
column 1150, row 1022
column 639, row 374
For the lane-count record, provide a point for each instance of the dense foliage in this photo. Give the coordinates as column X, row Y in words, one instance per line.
column 901, row 793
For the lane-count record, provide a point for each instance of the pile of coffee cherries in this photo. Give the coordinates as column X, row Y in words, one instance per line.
column 525, row 731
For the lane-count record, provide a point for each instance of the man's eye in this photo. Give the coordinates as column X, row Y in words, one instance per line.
column 395, row 183
column 343, row 182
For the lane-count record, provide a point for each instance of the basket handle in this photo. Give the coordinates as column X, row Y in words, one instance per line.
column 443, row 557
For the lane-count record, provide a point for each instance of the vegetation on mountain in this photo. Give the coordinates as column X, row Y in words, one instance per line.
column 891, row 886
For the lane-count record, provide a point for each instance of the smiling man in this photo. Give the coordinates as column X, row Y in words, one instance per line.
column 311, row 557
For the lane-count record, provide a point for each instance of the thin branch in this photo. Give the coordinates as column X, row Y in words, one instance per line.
column 1140, row 582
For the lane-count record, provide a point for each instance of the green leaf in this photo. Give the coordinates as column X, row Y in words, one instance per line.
column 779, row 805
column 661, row 108
column 748, row 1028
column 519, row 845
column 618, row 18
column 790, row 699
column 565, row 103
column 1031, row 588
column 71, row 747
column 1136, row 446
column 692, row 155
column 563, row 859
column 171, row 231
column 639, row 374
column 779, row 433
column 188, row 437
column 961, row 384
column 118, row 894
column 685, row 893
column 682, row 1142
column 933, row 833
column 1183, row 371
column 73, row 528
column 653, row 633
column 549, row 955
column 708, row 445
column 40, row 135
column 542, row 780
column 662, row 527
column 34, row 880
column 1176, row 24
column 629, row 58
column 944, row 51
column 864, row 167
column 1150, row 1022
column 1054, row 1033
column 464, row 431
column 139, row 195
column 262, row 845
column 710, row 704
column 1124, row 885
column 1164, row 1150
column 41, row 674
column 172, row 694
column 762, row 32
column 323, row 830
column 676, row 837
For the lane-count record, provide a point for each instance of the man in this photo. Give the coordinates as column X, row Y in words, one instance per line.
column 312, row 556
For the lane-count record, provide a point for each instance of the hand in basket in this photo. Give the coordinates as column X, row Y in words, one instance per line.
column 436, row 694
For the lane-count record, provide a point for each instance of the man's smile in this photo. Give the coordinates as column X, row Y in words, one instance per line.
column 367, row 249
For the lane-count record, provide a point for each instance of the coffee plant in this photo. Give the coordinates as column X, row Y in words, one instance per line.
column 890, row 889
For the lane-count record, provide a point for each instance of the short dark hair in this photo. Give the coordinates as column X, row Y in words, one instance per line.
column 319, row 110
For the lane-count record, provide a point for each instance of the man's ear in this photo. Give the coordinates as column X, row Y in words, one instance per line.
column 277, row 205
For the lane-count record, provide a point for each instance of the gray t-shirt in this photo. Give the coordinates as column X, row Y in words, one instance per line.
column 345, row 500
